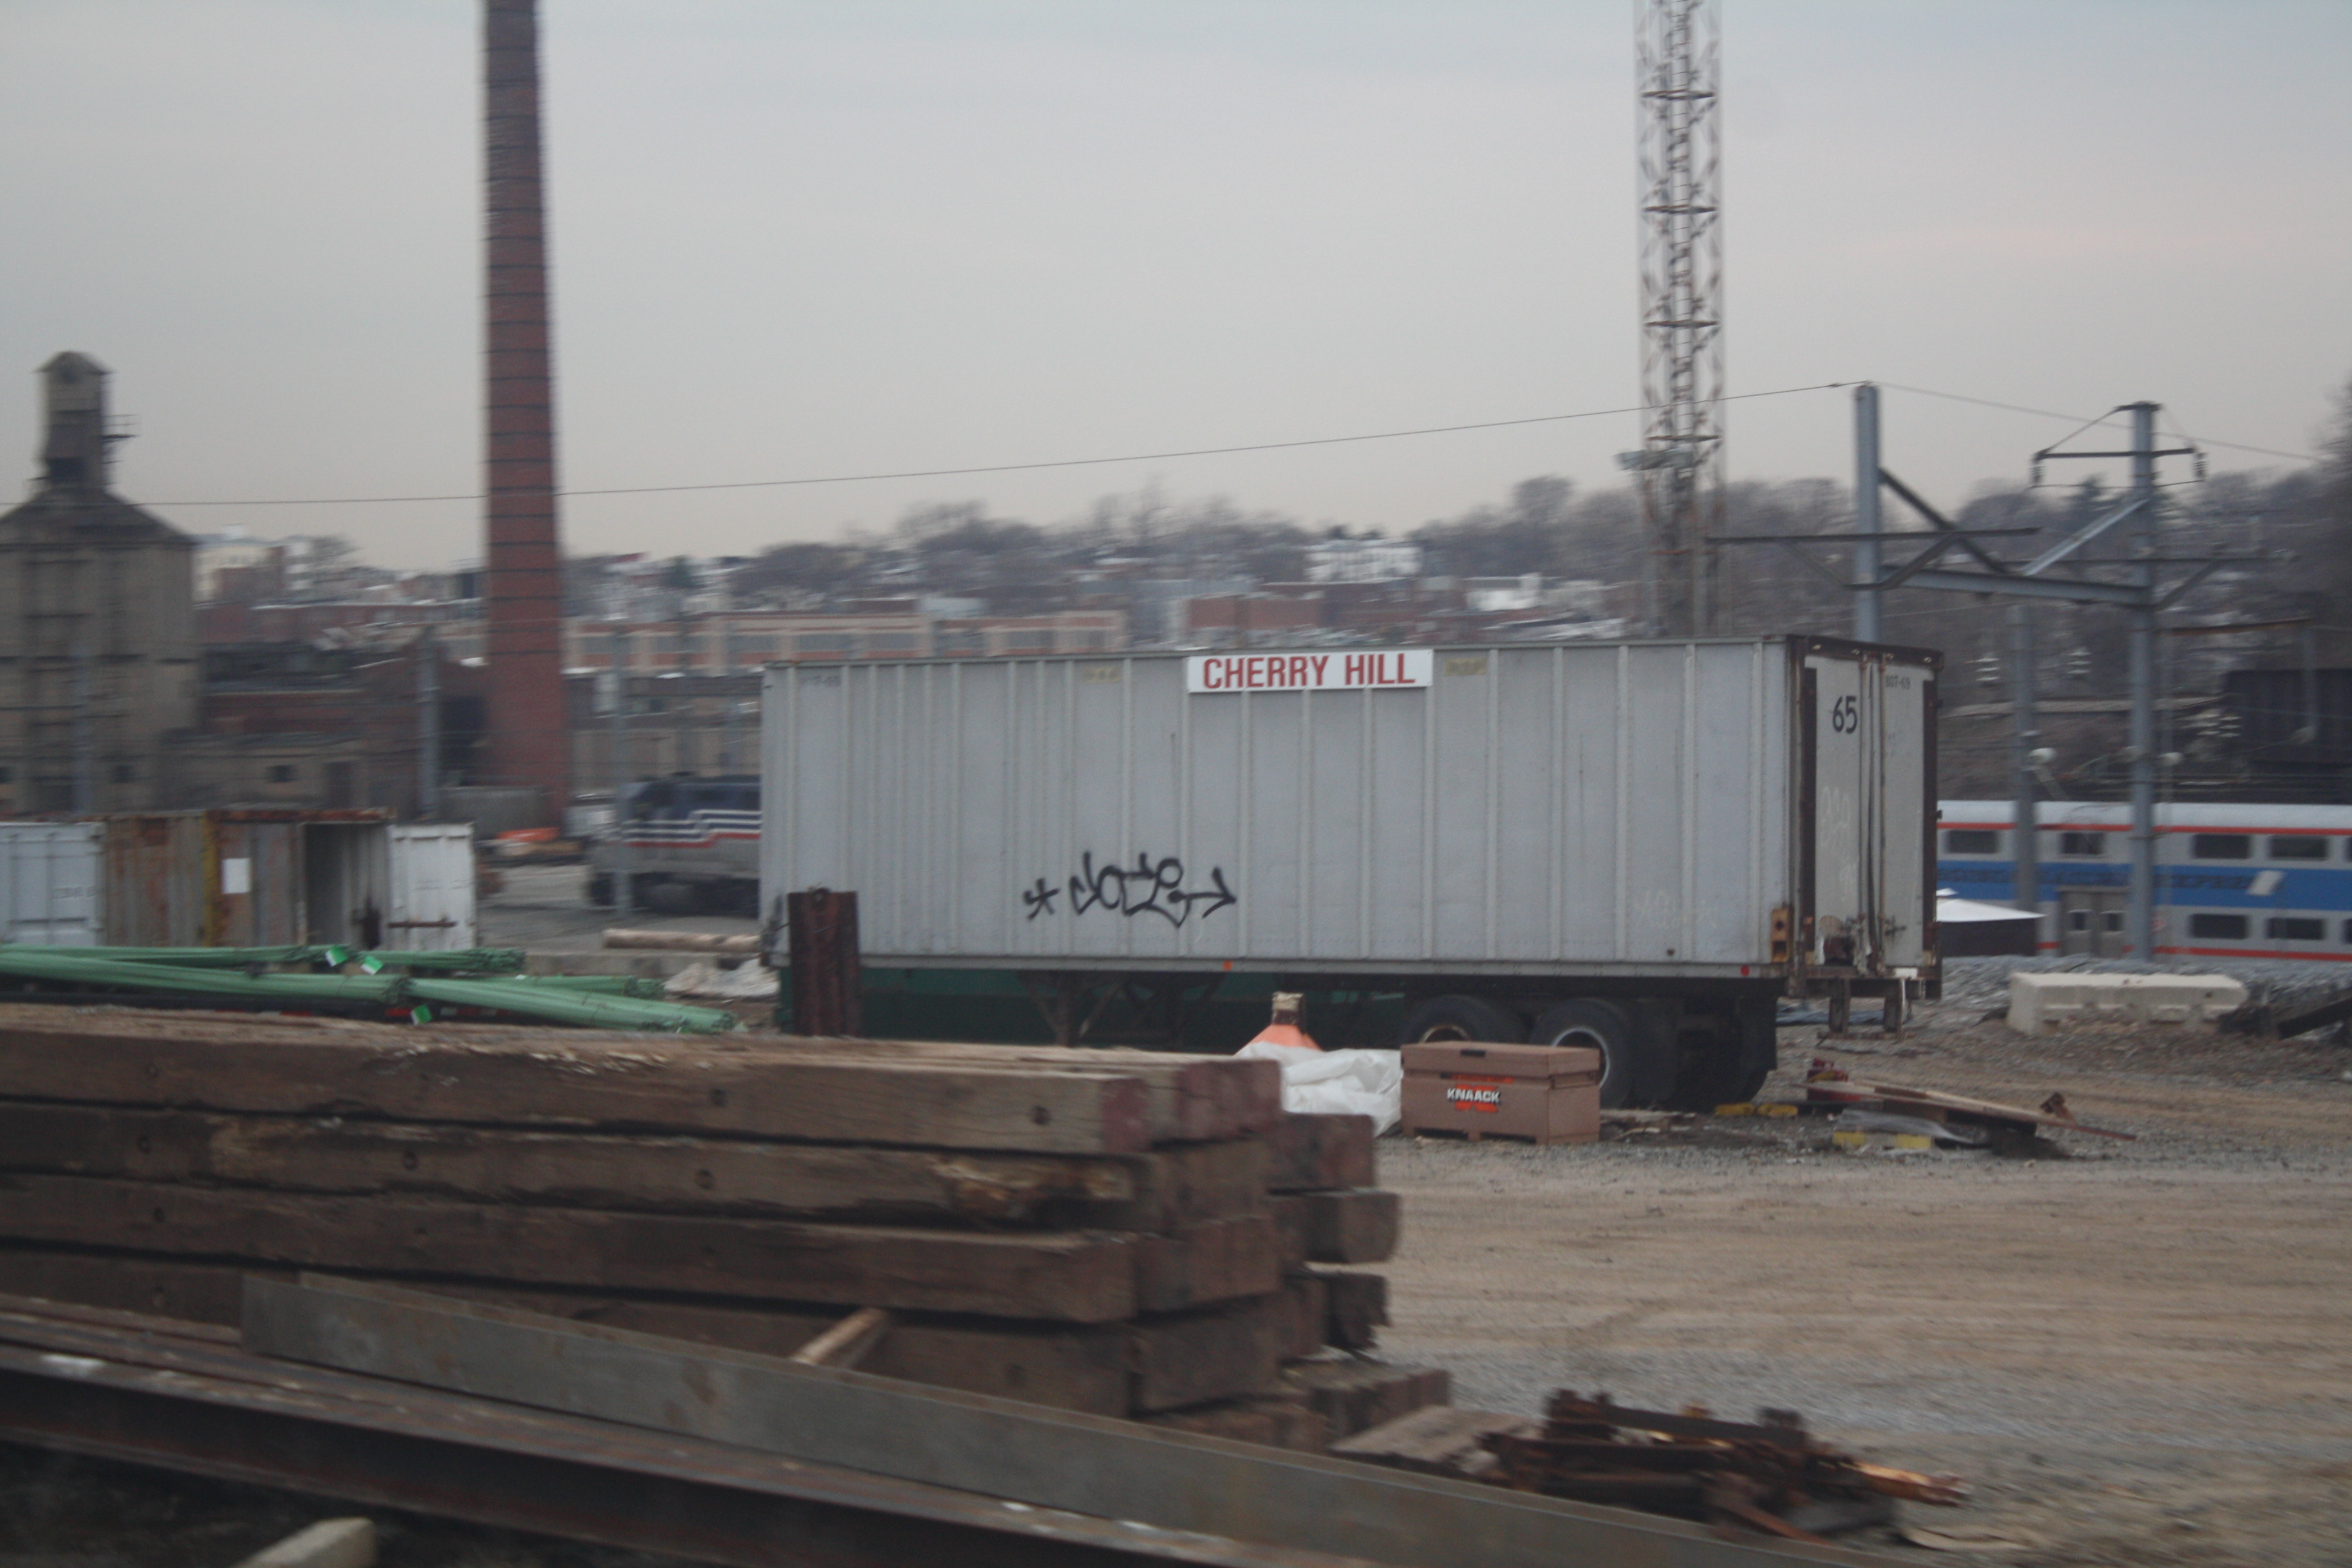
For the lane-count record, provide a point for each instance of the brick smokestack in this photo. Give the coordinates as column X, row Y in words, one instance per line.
column 529, row 740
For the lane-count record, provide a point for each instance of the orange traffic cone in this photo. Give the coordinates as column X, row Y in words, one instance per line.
column 1285, row 1030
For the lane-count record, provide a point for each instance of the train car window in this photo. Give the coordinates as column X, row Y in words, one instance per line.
column 2081, row 844
column 2294, row 928
column 2115, row 921
column 2221, row 845
column 2078, row 919
column 1971, row 841
column 2227, row 928
column 2298, row 847
column 2347, row 933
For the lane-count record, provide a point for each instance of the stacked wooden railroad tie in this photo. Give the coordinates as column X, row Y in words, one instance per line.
column 1098, row 1231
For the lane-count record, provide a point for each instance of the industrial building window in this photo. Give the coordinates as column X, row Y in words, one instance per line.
column 281, row 773
column 2294, row 928
column 960, row 642
column 2092, row 843
column 2221, row 845
column 825, row 642
column 2301, row 847
column 893, row 642
column 2229, row 927
column 1971, row 841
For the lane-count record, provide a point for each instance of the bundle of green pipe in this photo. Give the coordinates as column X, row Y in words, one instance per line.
column 604, row 1002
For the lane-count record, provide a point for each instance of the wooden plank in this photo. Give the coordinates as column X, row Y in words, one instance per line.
column 1288, row 1212
column 1359, row 1306
column 1063, row 1366
column 571, row 1079
column 1321, row 1152
column 1196, row 1357
column 1435, row 1440
column 1306, row 1309
column 1080, row 1278
column 1192, row 1098
column 1897, row 1097
column 1179, row 1185
column 1220, row 1260
column 586, row 1169
column 1357, row 1226
column 1355, row 1395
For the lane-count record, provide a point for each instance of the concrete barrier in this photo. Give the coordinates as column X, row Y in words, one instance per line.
column 2041, row 1003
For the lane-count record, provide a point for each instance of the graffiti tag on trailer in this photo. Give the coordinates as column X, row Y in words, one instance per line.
column 1146, row 887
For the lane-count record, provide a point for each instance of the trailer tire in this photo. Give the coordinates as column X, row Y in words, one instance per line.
column 1731, row 1073
column 1629, row 1070
column 600, row 891
column 1460, row 1019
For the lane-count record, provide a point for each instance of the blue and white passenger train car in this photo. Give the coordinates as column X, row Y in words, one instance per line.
column 2244, row 881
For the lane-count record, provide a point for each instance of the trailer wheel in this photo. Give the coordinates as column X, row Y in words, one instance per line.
column 1731, row 1072
column 600, row 891
column 1460, row 1019
column 1627, row 1068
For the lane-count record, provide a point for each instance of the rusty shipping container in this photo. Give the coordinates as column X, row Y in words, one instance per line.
column 264, row 878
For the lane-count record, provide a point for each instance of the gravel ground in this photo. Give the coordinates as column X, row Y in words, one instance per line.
column 2135, row 1351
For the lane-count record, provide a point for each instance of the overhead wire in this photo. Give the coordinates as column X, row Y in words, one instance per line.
column 1019, row 467
column 2082, row 423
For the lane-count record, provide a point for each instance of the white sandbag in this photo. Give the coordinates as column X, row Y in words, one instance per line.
column 1337, row 1083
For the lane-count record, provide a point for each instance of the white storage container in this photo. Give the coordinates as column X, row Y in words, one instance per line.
column 1715, row 809
column 49, row 875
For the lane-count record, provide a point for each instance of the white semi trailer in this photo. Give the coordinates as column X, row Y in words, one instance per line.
column 1635, row 845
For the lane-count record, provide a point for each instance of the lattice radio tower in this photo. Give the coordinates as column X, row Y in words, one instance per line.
column 1680, row 466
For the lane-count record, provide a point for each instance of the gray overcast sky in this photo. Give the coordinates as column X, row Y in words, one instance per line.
column 823, row 238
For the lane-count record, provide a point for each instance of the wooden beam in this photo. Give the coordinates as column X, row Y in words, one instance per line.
column 1357, row 1226
column 338, row 1155
column 1307, row 1152
column 1069, row 1278
column 1192, row 1098
column 1220, row 1260
column 1081, row 1367
column 1193, row 1358
column 549, row 1078
column 1359, row 1306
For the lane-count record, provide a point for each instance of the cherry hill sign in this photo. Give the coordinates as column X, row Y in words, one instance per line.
column 1340, row 670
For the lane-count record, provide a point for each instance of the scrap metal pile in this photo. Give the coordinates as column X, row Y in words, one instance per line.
column 1120, row 1233
column 1768, row 1475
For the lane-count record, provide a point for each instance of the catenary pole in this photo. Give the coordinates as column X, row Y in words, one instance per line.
column 1869, row 516
column 621, row 890
column 2143, row 685
column 2026, row 736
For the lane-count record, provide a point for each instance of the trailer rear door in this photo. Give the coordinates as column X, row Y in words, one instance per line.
column 1872, row 762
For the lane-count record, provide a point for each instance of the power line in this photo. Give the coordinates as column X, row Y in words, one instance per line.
column 2087, row 422
column 1195, row 452
column 1017, row 468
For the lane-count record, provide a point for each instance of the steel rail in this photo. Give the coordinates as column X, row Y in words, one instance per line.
column 1087, row 1465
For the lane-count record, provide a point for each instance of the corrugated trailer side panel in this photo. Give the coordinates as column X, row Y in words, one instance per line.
column 1591, row 808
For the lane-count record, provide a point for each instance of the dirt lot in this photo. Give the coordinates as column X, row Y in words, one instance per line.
column 2139, row 1354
